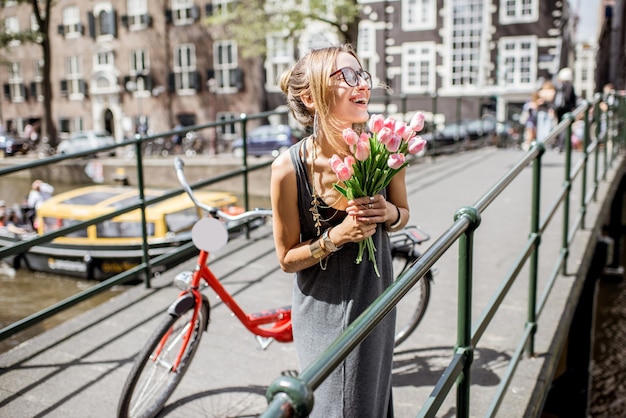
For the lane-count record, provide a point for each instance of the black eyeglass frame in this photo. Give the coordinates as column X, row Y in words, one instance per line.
column 364, row 75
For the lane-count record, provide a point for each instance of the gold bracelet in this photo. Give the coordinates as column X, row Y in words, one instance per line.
column 316, row 249
column 397, row 222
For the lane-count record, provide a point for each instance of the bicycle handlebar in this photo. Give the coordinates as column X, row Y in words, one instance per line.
column 213, row 211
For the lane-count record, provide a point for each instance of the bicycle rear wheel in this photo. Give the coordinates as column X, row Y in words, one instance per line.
column 411, row 308
column 152, row 380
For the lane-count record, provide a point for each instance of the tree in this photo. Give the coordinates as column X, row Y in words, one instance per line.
column 250, row 21
column 38, row 35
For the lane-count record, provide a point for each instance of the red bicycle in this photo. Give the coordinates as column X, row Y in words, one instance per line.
column 167, row 355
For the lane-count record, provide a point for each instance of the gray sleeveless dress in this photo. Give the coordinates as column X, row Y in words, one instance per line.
column 325, row 302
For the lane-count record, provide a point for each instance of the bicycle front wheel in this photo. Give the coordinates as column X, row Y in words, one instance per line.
column 411, row 308
column 152, row 380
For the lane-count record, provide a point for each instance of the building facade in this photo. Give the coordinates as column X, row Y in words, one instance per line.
column 135, row 66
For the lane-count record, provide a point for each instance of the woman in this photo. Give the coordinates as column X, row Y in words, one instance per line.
column 317, row 232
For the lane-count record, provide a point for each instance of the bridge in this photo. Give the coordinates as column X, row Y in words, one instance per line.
column 78, row 368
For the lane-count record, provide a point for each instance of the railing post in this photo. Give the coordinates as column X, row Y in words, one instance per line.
column 142, row 198
column 433, row 127
column 583, row 204
column 534, row 256
column 596, row 153
column 464, row 319
column 568, row 191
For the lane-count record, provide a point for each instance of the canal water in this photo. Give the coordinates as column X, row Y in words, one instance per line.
column 24, row 292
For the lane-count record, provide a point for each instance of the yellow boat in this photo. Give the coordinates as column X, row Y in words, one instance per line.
column 115, row 245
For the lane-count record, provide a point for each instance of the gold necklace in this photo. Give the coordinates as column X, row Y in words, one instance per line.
column 316, row 200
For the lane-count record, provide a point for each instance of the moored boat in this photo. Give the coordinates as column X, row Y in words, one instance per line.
column 113, row 246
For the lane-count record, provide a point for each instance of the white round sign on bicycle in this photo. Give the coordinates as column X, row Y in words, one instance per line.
column 209, row 234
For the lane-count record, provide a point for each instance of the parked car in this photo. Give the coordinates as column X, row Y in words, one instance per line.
column 453, row 137
column 267, row 140
column 85, row 141
column 481, row 131
column 11, row 145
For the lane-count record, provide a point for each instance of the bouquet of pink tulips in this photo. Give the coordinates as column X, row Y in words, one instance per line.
column 376, row 157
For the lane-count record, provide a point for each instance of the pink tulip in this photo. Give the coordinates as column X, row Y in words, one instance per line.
column 401, row 128
column 416, row 144
column 390, row 123
column 417, row 122
column 393, row 145
column 375, row 123
column 342, row 168
column 349, row 161
column 362, row 149
column 384, row 135
column 395, row 161
column 350, row 136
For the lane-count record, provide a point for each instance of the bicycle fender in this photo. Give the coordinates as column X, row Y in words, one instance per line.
column 184, row 303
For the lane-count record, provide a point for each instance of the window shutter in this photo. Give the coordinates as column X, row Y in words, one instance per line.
column 113, row 21
column 149, row 83
column 82, row 86
column 7, row 91
column 92, row 24
column 194, row 80
column 33, row 89
column 127, row 78
column 195, row 12
column 124, row 20
column 171, row 83
column 168, row 16
column 61, row 30
column 149, row 20
column 208, row 9
column 24, row 91
column 237, row 79
column 64, row 88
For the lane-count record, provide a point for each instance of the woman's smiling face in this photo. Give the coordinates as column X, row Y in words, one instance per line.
column 350, row 104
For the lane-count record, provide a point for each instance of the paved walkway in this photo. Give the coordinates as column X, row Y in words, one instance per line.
column 77, row 369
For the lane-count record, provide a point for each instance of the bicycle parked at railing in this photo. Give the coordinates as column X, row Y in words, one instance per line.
column 161, row 364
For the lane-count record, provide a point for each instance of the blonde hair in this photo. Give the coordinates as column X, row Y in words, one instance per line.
column 309, row 76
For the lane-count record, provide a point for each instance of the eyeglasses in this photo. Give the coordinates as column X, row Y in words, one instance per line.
column 352, row 77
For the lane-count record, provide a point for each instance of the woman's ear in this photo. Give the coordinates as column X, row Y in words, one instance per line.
column 308, row 101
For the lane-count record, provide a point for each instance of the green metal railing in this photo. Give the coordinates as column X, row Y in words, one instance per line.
column 143, row 270
column 294, row 396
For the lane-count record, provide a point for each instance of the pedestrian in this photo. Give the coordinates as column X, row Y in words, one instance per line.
column 565, row 99
column 546, row 118
column 39, row 193
column 317, row 234
column 528, row 118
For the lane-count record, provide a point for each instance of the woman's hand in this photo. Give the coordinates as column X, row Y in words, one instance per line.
column 364, row 213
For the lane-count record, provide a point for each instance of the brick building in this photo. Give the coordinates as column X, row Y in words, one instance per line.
column 127, row 66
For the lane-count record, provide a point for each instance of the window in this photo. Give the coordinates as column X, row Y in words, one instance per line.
column 71, row 27
column 222, row 7
column 104, row 60
column 12, row 27
column 37, row 87
column 103, row 21
column 518, row 11
column 183, row 12
column 67, row 125
column 466, row 26
column 227, row 75
column 517, row 61
column 75, row 85
column 138, row 17
column 17, row 92
column 279, row 58
column 227, row 130
column 419, row 14
column 366, row 47
column 418, row 67
column 139, row 62
column 185, row 68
